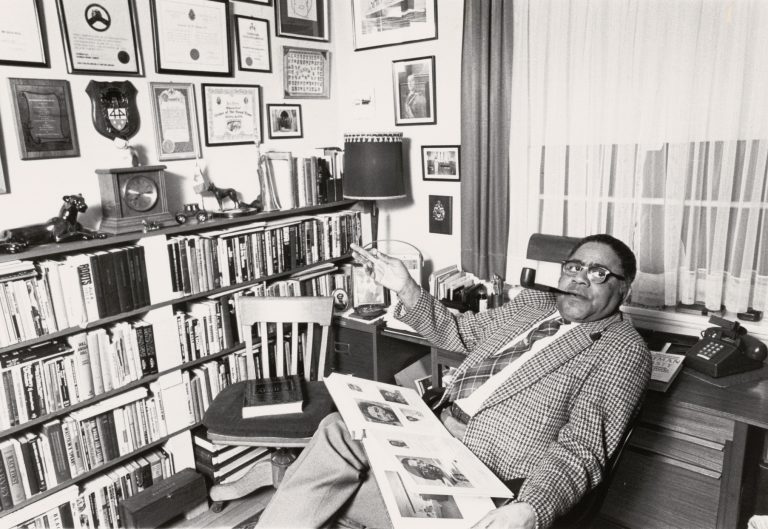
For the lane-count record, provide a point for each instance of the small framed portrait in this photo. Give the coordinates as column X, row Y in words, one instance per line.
column 285, row 121
column 414, row 91
column 254, row 52
column 232, row 114
column 302, row 19
column 377, row 24
column 441, row 162
column 45, row 118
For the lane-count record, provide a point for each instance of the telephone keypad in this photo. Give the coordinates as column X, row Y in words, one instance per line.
column 710, row 349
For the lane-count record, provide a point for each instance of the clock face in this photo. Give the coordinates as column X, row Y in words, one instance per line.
column 140, row 193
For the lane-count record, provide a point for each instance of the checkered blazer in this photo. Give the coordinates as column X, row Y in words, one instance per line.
column 560, row 417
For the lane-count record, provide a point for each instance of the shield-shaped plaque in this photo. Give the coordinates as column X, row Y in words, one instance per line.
column 113, row 108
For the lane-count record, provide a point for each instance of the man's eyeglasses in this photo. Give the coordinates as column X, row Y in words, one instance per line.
column 595, row 273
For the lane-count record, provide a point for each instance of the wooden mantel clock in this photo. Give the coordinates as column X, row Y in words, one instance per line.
column 132, row 195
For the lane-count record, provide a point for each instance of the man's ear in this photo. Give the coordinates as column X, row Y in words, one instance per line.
column 626, row 294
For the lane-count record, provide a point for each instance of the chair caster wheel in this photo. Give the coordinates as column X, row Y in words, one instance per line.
column 217, row 506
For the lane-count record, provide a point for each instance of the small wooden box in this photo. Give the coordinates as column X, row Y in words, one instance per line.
column 164, row 500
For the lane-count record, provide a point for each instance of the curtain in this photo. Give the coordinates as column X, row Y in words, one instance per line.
column 485, row 108
column 647, row 119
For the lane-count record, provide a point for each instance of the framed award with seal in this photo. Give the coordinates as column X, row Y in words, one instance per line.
column 175, row 118
column 191, row 37
column 100, row 38
column 133, row 198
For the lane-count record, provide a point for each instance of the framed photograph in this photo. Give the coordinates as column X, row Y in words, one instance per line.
column 441, row 162
column 22, row 35
column 232, row 114
column 302, row 19
column 262, row 2
column 306, row 73
column 45, row 119
column 414, row 90
column 4, row 187
column 379, row 24
column 254, row 53
column 285, row 121
column 175, row 118
column 191, row 37
column 100, row 38
column 441, row 214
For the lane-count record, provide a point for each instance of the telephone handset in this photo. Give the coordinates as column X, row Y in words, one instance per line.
column 725, row 350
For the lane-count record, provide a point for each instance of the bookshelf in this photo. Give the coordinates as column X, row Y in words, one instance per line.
column 166, row 304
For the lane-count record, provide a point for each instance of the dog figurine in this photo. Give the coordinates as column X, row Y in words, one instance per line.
column 62, row 228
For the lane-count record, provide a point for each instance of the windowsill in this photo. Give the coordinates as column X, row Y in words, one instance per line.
column 672, row 321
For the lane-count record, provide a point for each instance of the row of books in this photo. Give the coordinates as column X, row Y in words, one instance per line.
column 203, row 383
column 64, row 293
column 317, row 179
column 48, row 377
column 62, row 449
column 224, row 258
column 224, row 463
column 204, row 328
column 95, row 505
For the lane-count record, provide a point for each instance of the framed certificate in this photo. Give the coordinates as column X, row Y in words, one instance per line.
column 45, row 120
column 100, row 38
column 175, row 117
column 253, row 48
column 22, row 38
column 232, row 114
column 302, row 19
column 191, row 37
column 306, row 73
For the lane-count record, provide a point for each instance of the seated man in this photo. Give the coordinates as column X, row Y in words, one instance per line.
column 548, row 386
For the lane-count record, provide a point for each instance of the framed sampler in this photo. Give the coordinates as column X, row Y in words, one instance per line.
column 306, row 73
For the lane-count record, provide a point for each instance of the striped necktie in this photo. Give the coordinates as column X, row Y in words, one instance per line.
column 475, row 376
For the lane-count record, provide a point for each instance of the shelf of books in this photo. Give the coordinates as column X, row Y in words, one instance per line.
column 111, row 353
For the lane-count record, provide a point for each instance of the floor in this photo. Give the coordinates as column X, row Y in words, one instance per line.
column 233, row 513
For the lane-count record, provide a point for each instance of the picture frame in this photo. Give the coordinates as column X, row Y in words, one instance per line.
column 441, row 162
column 232, row 114
column 414, row 91
column 382, row 25
column 302, row 19
column 174, row 110
column 24, row 39
column 200, row 49
column 254, row 50
column 285, row 121
column 44, row 118
column 261, row 2
column 283, row 175
column 100, row 38
column 4, row 185
column 306, row 73
column 441, row 214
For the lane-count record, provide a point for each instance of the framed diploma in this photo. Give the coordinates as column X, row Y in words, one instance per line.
column 253, row 48
column 22, row 37
column 232, row 114
column 191, row 37
column 100, row 38
column 175, row 118
column 45, row 120
column 306, row 73
column 302, row 19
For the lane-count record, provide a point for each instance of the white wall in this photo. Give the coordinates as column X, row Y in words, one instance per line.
column 37, row 185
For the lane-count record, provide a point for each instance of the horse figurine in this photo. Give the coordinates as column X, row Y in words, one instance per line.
column 203, row 185
column 63, row 228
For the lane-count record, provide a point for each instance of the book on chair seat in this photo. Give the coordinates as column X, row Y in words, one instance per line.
column 272, row 396
column 427, row 477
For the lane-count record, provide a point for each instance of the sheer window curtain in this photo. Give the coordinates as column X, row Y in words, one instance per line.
column 647, row 120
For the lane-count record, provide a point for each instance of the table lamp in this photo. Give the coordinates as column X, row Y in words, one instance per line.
column 373, row 170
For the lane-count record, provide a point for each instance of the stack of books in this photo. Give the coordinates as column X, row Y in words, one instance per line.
column 222, row 463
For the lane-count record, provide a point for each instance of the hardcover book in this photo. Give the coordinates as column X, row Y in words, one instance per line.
column 272, row 396
column 427, row 477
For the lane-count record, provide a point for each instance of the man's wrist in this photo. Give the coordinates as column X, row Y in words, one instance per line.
column 409, row 294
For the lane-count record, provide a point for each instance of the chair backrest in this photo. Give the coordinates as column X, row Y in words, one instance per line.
column 543, row 258
column 273, row 315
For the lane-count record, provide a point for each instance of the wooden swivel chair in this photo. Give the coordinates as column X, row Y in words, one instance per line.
column 223, row 419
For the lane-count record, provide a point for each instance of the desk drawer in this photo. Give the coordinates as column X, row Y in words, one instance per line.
column 679, row 449
column 352, row 352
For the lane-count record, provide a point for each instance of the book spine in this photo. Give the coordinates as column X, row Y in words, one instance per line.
column 88, row 289
column 32, row 466
column 13, row 471
column 149, row 331
column 6, row 502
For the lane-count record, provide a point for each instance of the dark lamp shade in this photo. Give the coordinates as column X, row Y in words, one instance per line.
column 373, row 166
